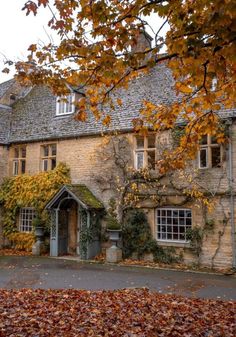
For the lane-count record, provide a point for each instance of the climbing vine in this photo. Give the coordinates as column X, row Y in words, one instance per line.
column 137, row 239
column 30, row 191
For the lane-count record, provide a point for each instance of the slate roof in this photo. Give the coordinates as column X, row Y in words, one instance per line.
column 4, row 125
column 34, row 117
column 4, row 86
column 78, row 192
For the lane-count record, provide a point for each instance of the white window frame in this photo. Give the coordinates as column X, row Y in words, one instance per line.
column 162, row 224
column 17, row 161
column 49, row 158
column 208, row 148
column 144, row 151
column 63, row 103
column 27, row 214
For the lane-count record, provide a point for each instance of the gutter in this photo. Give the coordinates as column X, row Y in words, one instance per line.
column 231, row 188
column 6, row 107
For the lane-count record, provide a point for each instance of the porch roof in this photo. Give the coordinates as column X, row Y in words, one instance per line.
column 79, row 193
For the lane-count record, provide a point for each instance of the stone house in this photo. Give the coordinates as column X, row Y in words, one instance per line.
column 37, row 132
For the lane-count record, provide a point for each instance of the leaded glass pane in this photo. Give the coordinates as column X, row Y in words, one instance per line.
column 139, row 142
column 181, row 220
column 215, row 156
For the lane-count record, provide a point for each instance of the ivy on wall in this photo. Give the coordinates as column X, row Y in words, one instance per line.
column 30, row 191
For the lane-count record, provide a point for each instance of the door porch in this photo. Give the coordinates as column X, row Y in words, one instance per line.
column 75, row 222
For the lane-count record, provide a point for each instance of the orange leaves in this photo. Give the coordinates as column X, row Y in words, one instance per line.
column 106, row 120
column 183, row 88
column 30, row 6
column 81, row 116
column 200, row 49
column 43, row 2
column 119, row 313
column 32, row 47
column 6, row 70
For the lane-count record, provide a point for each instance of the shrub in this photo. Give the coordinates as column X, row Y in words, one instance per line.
column 136, row 233
column 137, row 238
column 22, row 241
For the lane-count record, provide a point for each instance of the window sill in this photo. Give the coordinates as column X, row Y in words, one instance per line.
column 64, row 115
column 210, row 168
column 174, row 244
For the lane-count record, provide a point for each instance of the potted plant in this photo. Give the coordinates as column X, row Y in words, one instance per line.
column 112, row 225
column 113, row 228
column 38, row 228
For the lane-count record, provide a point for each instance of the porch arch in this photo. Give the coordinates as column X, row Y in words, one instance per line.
column 88, row 207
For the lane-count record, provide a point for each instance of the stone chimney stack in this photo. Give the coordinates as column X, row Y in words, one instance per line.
column 144, row 42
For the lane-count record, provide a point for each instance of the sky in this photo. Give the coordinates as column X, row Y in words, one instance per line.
column 19, row 31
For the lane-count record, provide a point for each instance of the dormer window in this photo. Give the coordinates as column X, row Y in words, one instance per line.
column 65, row 105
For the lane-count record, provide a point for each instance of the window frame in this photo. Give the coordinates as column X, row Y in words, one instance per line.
column 25, row 222
column 48, row 158
column 208, row 148
column 185, row 225
column 61, row 105
column 18, row 160
column 144, row 150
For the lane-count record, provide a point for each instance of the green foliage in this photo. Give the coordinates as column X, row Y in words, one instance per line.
column 136, row 233
column 209, row 225
column 91, row 233
column 177, row 133
column 137, row 238
column 30, row 191
column 112, row 223
column 38, row 222
column 111, row 218
column 195, row 236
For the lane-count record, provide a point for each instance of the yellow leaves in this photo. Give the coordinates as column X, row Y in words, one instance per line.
column 81, row 116
column 106, row 120
column 119, row 101
column 183, row 88
column 134, row 187
column 22, row 241
column 31, row 191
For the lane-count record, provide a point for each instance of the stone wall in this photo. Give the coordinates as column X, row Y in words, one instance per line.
column 3, row 162
column 81, row 155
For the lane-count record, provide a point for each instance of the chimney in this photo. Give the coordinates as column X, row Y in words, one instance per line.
column 144, row 42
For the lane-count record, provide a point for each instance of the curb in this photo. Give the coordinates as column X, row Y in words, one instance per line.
column 146, row 267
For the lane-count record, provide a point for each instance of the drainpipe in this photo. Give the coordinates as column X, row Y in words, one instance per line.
column 231, row 188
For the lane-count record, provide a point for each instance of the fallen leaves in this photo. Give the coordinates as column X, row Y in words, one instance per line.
column 14, row 252
column 136, row 312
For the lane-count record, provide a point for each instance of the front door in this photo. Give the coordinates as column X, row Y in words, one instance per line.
column 62, row 232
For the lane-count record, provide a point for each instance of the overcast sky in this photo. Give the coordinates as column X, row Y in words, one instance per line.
column 18, row 31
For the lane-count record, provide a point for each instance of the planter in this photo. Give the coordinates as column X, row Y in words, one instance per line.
column 114, row 235
column 39, row 232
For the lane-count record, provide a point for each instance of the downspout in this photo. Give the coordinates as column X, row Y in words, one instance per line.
column 231, row 189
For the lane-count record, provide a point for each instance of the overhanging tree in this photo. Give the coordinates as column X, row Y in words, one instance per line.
column 97, row 52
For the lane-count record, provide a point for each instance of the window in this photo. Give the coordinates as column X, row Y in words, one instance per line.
column 19, row 160
column 210, row 153
column 48, row 157
column 145, row 152
column 65, row 105
column 27, row 215
column 173, row 223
